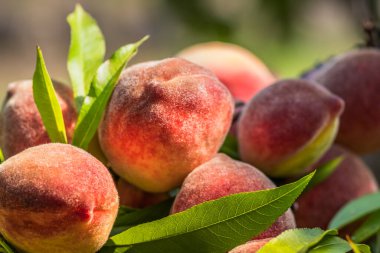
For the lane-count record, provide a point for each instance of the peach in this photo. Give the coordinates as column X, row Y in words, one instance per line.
column 237, row 68
column 350, row 180
column 163, row 120
column 134, row 197
column 21, row 125
column 56, row 198
column 222, row 176
column 251, row 246
column 288, row 126
column 355, row 77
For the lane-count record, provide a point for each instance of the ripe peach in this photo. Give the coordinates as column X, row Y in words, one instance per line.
column 288, row 126
column 237, row 68
column 56, row 198
column 251, row 246
column 355, row 77
column 134, row 197
column 21, row 125
column 163, row 120
column 351, row 179
column 222, row 176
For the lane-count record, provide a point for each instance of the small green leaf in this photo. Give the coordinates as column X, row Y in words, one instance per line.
column 86, row 53
column 47, row 102
column 355, row 210
column 358, row 248
column 230, row 147
column 323, row 172
column 296, row 240
column 4, row 247
column 369, row 228
column 1, row 156
column 213, row 226
column 101, row 89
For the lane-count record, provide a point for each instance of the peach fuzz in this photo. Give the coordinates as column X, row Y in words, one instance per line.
column 56, row 198
column 355, row 77
column 237, row 68
column 288, row 126
column 21, row 125
column 350, row 180
column 163, row 120
column 222, row 176
column 251, row 246
column 134, row 197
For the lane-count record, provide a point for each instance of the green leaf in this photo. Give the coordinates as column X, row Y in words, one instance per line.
column 230, row 147
column 324, row 171
column 137, row 216
column 355, row 210
column 47, row 102
column 331, row 244
column 213, row 226
column 1, row 156
column 369, row 228
column 4, row 247
column 296, row 240
column 86, row 53
column 101, row 89
column 358, row 248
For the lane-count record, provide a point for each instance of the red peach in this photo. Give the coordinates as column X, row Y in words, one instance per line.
column 350, row 180
column 222, row 176
column 56, row 198
column 163, row 120
column 21, row 125
column 288, row 126
column 237, row 68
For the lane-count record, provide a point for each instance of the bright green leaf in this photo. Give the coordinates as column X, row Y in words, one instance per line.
column 296, row 240
column 358, row 248
column 230, row 147
column 4, row 247
column 323, row 172
column 331, row 244
column 213, row 226
column 47, row 102
column 86, row 53
column 1, row 156
column 101, row 90
column 355, row 210
column 369, row 228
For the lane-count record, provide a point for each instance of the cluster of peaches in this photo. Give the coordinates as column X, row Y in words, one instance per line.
column 162, row 129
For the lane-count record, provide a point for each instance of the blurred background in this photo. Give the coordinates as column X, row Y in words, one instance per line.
column 290, row 36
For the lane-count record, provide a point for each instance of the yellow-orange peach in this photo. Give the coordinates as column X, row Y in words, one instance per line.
column 251, row 246
column 21, row 125
column 163, row 120
column 237, row 68
column 56, row 198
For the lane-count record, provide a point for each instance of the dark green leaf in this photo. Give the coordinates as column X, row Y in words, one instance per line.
column 213, row 226
column 230, row 147
column 296, row 240
column 101, row 89
column 369, row 228
column 324, row 171
column 86, row 53
column 355, row 210
column 47, row 102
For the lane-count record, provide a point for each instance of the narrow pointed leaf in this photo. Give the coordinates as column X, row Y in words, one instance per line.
column 296, row 240
column 86, row 53
column 101, row 90
column 47, row 102
column 355, row 210
column 324, row 171
column 4, row 247
column 369, row 228
column 213, row 226
column 1, row 156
